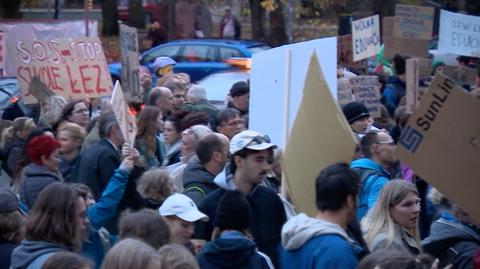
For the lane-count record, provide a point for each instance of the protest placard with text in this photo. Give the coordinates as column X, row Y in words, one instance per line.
column 459, row 34
column 366, row 92
column 344, row 91
column 461, row 74
column 130, row 64
column 441, row 143
column 127, row 123
column 405, row 46
column 72, row 68
column 365, row 37
column 413, row 22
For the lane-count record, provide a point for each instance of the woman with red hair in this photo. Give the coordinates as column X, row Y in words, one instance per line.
column 43, row 169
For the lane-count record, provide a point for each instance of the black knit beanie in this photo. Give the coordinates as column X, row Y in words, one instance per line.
column 239, row 88
column 354, row 111
column 233, row 212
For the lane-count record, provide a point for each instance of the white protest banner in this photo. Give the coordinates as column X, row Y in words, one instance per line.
column 365, row 90
column 459, row 34
column 441, row 143
column 365, row 37
column 344, row 91
column 71, row 68
column 269, row 71
column 3, row 52
column 130, row 64
column 414, row 22
column 127, row 123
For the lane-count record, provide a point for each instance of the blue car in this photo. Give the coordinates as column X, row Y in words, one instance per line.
column 197, row 57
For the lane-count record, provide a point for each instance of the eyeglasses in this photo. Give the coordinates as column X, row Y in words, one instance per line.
column 389, row 142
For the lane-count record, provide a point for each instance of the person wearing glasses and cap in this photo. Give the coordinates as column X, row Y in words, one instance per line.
column 250, row 161
column 378, row 150
column 162, row 66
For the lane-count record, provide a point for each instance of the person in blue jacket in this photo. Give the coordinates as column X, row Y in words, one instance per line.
column 233, row 246
column 396, row 88
column 322, row 241
column 378, row 149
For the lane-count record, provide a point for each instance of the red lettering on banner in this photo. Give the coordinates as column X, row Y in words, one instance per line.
column 55, row 76
column 84, row 78
column 73, row 82
column 21, row 76
column 99, row 89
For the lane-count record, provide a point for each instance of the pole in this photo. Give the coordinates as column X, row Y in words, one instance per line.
column 85, row 16
column 290, row 4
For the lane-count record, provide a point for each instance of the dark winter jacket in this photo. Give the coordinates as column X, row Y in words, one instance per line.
column 6, row 249
column 197, row 182
column 452, row 242
column 268, row 215
column 66, row 167
column 232, row 250
column 393, row 93
column 14, row 156
column 25, row 256
column 37, row 177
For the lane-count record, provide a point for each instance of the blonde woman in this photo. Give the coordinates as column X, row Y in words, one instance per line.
column 393, row 223
column 71, row 137
column 131, row 254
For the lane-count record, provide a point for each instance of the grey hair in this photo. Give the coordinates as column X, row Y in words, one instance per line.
column 155, row 94
column 106, row 122
column 197, row 93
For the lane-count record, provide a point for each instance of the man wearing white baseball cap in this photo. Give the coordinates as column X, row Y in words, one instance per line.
column 162, row 66
column 180, row 214
column 251, row 156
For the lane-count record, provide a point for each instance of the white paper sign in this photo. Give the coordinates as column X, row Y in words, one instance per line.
column 459, row 34
column 365, row 37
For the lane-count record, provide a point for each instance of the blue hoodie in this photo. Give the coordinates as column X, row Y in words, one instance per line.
column 373, row 177
column 393, row 93
column 25, row 256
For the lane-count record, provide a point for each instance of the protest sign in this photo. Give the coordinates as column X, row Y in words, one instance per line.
column 39, row 90
column 365, row 37
column 412, row 75
column 126, row 121
column 424, row 68
column 73, row 69
column 130, row 64
column 460, row 74
column 320, row 133
column 344, row 91
column 405, row 46
column 2, row 54
column 459, row 34
column 413, row 22
column 365, row 90
column 441, row 143
column 273, row 70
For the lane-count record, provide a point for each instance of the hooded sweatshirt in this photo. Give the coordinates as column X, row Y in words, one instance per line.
column 24, row 255
column 234, row 251
column 315, row 243
column 37, row 177
column 197, row 181
column 452, row 242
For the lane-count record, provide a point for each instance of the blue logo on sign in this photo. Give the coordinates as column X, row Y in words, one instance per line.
column 410, row 139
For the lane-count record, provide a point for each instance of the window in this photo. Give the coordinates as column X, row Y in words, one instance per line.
column 226, row 53
column 169, row 51
column 198, row 53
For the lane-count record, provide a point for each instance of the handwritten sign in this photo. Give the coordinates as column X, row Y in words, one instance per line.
column 71, row 68
column 126, row 121
column 365, row 90
column 39, row 90
column 414, row 22
column 406, row 46
column 130, row 65
column 344, row 91
column 365, row 37
column 2, row 53
column 459, row 34
column 461, row 75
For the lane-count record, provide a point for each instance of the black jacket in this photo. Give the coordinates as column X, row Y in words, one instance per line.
column 452, row 242
column 6, row 249
column 37, row 177
column 268, row 216
column 234, row 253
column 197, row 182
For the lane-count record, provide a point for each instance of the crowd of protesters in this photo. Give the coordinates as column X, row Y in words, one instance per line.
column 198, row 189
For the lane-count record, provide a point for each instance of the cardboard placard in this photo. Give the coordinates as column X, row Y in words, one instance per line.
column 344, row 52
column 365, row 90
column 424, row 68
column 39, row 90
column 130, row 64
column 127, row 122
column 365, row 37
column 405, row 46
column 412, row 76
column 72, row 68
column 3, row 50
column 344, row 91
column 460, row 74
column 459, row 34
column 448, row 161
column 326, row 142
column 413, row 22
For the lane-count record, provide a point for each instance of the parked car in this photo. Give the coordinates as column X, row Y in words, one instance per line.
column 198, row 57
column 10, row 99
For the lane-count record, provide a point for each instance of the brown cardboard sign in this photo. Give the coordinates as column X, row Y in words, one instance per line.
column 344, row 52
column 344, row 91
column 320, row 134
column 130, row 63
column 406, row 46
column 413, row 22
column 412, row 75
column 127, row 122
column 441, row 143
column 461, row 75
column 366, row 92
column 72, row 68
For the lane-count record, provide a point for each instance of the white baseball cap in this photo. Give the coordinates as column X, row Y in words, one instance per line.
column 251, row 140
column 183, row 207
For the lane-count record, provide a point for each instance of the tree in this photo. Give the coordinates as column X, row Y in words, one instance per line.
column 136, row 15
column 257, row 17
column 109, row 17
column 278, row 30
column 10, row 9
